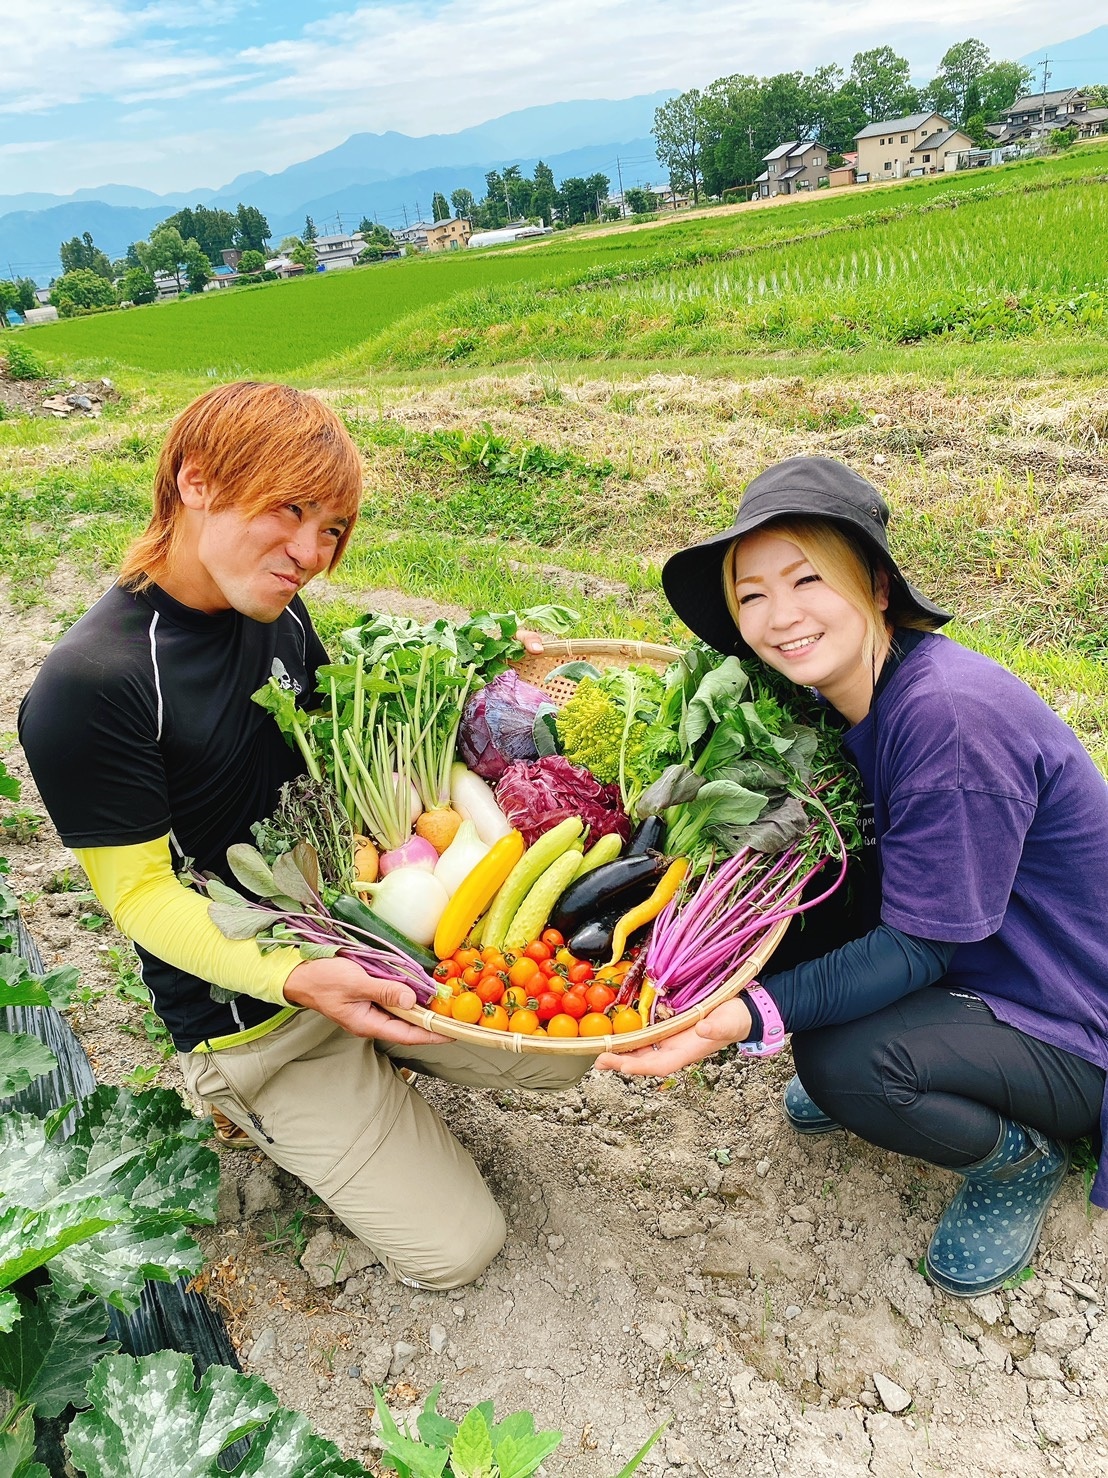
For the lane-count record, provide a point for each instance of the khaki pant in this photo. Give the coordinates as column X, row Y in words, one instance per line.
column 333, row 1110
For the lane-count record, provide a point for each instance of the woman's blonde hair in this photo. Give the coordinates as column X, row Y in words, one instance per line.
column 258, row 445
column 843, row 566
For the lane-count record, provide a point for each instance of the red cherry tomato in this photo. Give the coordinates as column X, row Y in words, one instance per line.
column 548, row 1004
column 446, row 970
column 538, row 951
column 552, row 938
column 490, row 988
column 581, row 973
column 599, row 997
column 573, row 1005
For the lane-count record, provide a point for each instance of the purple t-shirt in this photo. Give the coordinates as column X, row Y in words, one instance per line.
column 992, row 832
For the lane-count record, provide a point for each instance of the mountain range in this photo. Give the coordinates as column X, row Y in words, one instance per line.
column 391, row 176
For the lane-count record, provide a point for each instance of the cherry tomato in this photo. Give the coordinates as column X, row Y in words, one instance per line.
column 471, row 975
column 468, row 1007
column 599, row 997
column 490, row 988
column 495, row 1018
column 574, row 1005
column 538, row 951
column 561, row 1026
column 516, row 998
column 548, row 1004
column 594, row 1024
column 463, row 957
column 443, row 1005
column 609, row 974
column 526, row 1022
column 494, row 957
column 626, row 1019
column 552, row 939
column 446, row 970
column 565, row 958
column 524, row 971
column 581, row 972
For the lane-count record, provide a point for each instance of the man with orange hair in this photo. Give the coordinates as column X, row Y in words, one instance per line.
column 147, row 750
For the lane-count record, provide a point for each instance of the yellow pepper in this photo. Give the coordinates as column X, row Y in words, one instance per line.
column 475, row 892
column 671, row 880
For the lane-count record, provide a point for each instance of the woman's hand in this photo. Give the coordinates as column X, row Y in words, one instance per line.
column 532, row 642
column 728, row 1023
column 348, row 995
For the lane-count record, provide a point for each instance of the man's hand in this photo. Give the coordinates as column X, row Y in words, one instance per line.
column 532, row 642
column 728, row 1023
column 343, row 991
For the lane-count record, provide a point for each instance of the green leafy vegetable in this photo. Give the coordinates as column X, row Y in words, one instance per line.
column 50, row 1354
column 485, row 640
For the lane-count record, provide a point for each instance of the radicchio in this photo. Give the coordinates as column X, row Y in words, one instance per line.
column 535, row 796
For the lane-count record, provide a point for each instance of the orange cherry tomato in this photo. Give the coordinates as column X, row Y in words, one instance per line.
column 524, row 971
column 608, row 974
column 468, row 1007
column 599, row 997
column 442, row 1005
column 594, row 1024
column 552, row 938
column 626, row 1019
column 494, row 957
column 494, row 1017
column 565, row 957
column 446, row 970
column 471, row 975
column 463, row 957
column 538, row 951
column 561, row 1026
column 516, row 998
column 581, row 972
column 490, row 988
column 574, row 1005
column 526, row 1022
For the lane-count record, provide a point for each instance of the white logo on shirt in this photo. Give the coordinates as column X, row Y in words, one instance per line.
column 284, row 680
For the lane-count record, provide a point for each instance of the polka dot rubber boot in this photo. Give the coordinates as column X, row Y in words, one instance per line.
column 991, row 1228
column 804, row 1115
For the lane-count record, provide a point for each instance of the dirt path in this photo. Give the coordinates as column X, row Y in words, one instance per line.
column 674, row 1253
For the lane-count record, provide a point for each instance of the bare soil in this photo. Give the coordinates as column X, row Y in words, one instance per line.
column 674, row 1254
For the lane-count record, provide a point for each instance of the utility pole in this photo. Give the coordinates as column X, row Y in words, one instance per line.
column 1045, row 63
column 750, row 140
column 619, row 176
column 418, row 212
column 404, row 208
column 507, row 201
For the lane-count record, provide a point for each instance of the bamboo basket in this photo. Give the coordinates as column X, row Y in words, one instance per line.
column 534, row 668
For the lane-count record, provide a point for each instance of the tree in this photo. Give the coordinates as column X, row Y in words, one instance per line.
column 81, row 288
column 137, row 286
column 640, row 202
column 596, row 188
column 884, row 88
column 961, row 66
column 494, row 207
column 310, row 232
column 168, row 252
column 573, row 200
column 81, row 252
column 212, row 230
column 304, row 255
column 9, row 299
column 440, row 211
column 251, row 229
column 974, row 128
column 1000, row 84
column 28, row 293
column 1097, row 91
column 543, row 191
column 679, row 135
column 251, row 261
column 465, row 207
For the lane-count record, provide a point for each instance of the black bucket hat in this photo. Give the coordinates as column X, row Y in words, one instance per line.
column 804, row 487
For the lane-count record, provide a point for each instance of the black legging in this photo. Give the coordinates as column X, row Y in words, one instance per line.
column 933, row 1074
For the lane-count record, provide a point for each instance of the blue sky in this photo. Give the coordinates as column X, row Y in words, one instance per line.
column 173, row 95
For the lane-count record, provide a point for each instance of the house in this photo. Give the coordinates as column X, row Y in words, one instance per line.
column 232, row 256
column 47, row 313
column 284, row 267
column 334, row 253
column 224, row 276
column 842, row 174
column 448, row 235
column 918, row 144
column 414, row 235
column 791, row 168
column 1091, row 123
column 1040, row 113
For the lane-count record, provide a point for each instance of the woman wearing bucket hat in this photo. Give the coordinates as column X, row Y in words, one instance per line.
column 967, row 1023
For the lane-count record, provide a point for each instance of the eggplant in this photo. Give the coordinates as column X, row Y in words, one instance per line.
column 593, row 940
column 619, row 884
column 649, row 837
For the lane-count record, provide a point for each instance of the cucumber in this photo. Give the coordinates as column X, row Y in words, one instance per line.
column 526, row 873
column 532, row 914
column 606, row 850
column 351, row 911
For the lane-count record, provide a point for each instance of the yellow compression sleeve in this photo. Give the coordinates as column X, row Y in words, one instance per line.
column 138, row 887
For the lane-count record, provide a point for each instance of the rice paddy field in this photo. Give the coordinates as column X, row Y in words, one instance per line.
column 547, row 423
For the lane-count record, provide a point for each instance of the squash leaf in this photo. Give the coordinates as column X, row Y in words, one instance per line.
column 23, row 1058
column 47, row 1359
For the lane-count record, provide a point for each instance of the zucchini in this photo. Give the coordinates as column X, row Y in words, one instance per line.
column 355, row 913
column 526, row 873
column 619, row 884
column 532, row 914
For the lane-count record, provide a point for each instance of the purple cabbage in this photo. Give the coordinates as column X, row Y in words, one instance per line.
column 498, row 725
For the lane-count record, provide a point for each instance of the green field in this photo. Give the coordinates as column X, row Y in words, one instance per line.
column 550, row 422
